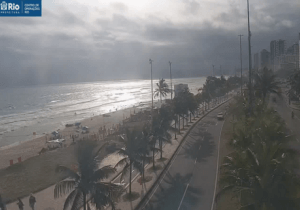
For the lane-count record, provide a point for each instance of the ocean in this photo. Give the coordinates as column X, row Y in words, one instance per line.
column 43, row 109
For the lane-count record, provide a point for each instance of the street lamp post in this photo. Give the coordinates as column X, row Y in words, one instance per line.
column 250, row 63
column 213, row 70
column 241, row 63
column 170, row 63
column 150, row 61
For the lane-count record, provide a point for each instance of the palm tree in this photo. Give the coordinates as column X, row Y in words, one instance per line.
column 145, row 147
column 265, row 82
column 132, row 152
column 181, row 105
column 262, row 169
column 262, row 177
column 162, row 89
column 87, row 184
column 160, row 132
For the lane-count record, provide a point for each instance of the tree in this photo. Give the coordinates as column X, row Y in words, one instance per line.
column 181, row 106
column 262, row 177
column 192, row 104
column 160, row 128
column 294, row 82
column 162, row 89
column 87, row 184
column 262, row 169
column 145, row 147
column 132, row 153
column 265, row 82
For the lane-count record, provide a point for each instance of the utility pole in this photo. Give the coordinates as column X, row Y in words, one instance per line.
column 213, row 70
column 150, row 61
column 170, row 63
column 235, row 71
column 250, row 63
column 221, row 70
column 241, row 63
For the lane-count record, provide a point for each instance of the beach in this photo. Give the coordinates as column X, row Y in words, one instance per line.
column 37, row 172
column 31, row 148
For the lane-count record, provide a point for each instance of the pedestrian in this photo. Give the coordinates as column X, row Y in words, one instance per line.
column 20, row 204
column 2, row 204
column 32, row 201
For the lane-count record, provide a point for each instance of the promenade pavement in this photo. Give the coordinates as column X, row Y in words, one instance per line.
column 284, row 110
column 45, row 198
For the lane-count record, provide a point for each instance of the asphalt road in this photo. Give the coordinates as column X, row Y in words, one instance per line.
column 190, row 181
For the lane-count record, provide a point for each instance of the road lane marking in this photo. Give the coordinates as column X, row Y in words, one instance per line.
column 199, row 147
column 195, row 160
column 216, row 180
column 183, row 195
column 163, row 177
column 168, row 171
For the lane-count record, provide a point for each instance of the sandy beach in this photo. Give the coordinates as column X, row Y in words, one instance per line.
column 37, row 172
column 31, row 148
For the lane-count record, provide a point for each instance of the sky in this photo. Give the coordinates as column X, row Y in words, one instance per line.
column 81, row 41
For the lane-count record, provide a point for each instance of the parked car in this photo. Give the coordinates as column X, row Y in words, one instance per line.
column 220, row 116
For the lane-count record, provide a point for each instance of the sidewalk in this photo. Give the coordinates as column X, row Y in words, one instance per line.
column 45, row 199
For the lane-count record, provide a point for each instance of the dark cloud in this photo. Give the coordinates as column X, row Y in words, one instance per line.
column 50, row 50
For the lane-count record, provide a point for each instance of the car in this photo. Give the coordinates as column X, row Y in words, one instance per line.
column 220, row 116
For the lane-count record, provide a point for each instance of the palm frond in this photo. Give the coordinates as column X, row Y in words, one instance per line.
column 103, row 172
column 122, row 162
column 78, row 201
column 64, row 187
column 70, row 199
column 125, row 170
column 223, row 191
column 99, row 150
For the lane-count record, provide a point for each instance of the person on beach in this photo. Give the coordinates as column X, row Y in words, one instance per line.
column 20, row 204
column 32, row 201
column 2, row 204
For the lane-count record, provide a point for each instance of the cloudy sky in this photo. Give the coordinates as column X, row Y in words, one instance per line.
column 78, row 41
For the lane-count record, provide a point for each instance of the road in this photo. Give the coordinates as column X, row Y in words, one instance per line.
column 190, row 181
column 198, row 154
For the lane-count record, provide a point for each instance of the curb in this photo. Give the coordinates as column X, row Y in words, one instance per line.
column 140, row 204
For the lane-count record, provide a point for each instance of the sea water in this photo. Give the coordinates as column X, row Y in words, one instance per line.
column 42, row 109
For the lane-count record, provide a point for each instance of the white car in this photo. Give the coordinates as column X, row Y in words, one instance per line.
column 220, row 116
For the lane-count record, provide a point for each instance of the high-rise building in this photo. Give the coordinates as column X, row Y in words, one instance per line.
column 277, row 48
column 293, row 50
column 264, row 59
column 293, row 56
column 256, row 61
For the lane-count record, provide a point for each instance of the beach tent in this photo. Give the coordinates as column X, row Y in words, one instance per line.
column 54, row 133
column 55, row 142
column 77, row 124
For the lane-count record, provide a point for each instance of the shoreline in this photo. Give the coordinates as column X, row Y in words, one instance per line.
column 30, row 148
